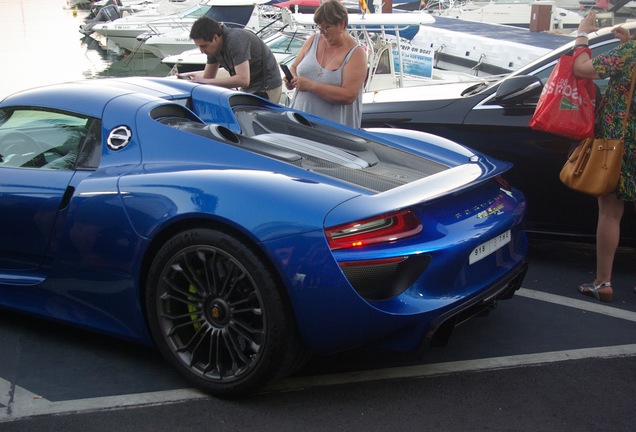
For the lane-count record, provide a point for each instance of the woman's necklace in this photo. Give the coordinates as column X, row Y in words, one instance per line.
column 324, row 65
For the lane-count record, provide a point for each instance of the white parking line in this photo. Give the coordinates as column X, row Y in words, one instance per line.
column 578, row 304
column 26, row 404
column 428, row 370
column 18, row 403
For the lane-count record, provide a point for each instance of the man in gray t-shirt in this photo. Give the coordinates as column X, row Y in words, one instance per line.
column 250, row 63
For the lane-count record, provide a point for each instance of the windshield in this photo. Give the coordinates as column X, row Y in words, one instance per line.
column 543, row 66
column 195, row 11
column 285, row 43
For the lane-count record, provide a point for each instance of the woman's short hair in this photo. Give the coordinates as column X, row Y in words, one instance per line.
column 331, row 12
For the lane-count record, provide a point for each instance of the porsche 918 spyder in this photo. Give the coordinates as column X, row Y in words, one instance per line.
column 240, row 236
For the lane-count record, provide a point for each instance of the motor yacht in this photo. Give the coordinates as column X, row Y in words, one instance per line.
column 124, row 31
column 509, row 12
column 163, row 40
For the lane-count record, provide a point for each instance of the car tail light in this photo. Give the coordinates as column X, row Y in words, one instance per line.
column 380, row 229
column 503, row 182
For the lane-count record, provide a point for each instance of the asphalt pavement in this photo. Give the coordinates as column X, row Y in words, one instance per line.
column 547, row 360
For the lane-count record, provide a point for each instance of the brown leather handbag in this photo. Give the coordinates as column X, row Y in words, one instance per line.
column 594, row 167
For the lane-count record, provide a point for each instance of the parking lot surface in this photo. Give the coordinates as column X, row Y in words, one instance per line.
column 548, row 351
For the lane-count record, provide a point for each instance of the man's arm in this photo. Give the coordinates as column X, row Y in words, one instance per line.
column 241, row 79
column 210, row 71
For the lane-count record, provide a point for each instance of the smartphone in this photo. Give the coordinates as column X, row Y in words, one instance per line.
column 287, row 72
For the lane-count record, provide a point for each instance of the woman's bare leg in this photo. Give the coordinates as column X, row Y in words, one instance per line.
column 608, row 230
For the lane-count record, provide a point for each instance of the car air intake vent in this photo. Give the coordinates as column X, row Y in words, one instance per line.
column 317, row 150
column 171, row 110
column 223, row 133
column 375, row 280
column 373, row 166
column 299, row 118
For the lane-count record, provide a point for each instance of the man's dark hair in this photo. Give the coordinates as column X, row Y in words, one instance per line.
column 205, row 28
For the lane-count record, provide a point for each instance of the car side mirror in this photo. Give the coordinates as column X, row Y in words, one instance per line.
column 517, row 90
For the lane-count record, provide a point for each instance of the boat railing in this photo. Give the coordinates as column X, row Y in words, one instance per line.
column 382, row 35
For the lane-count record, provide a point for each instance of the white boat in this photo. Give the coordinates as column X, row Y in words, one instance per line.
column 390, row 66
column 469, row 46
column 282, row 43
column 104, row 11
column 124, row 31
column 518, row 13
column 297, row 28
column 440, row 50
column 126, row 6
column 393, row 65
column 162, row 41
column 137, row 6
column 479, row 49
column 488, row 49
column 99, row 15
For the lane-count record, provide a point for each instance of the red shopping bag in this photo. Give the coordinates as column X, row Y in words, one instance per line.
column 567, row 104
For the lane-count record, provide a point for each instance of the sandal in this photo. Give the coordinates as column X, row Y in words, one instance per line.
column 602, row 291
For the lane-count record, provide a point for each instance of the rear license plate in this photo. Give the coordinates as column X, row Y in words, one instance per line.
column 485, row 249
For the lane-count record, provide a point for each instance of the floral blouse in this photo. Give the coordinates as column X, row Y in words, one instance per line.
column 617, row 64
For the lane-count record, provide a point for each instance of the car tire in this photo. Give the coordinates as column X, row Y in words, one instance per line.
column 218, row 315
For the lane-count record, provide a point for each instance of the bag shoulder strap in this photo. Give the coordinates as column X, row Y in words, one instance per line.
column 629, row 99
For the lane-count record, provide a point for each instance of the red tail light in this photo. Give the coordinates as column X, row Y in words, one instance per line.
column 380, row 229
column 503, row 182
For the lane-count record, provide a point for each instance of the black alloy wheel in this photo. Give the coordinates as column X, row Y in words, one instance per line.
column 217, row 315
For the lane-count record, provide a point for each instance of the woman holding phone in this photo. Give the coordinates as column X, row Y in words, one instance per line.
column 330, row 69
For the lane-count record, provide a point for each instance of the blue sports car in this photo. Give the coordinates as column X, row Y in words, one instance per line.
column 240, row 236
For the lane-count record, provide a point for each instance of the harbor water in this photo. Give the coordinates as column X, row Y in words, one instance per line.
column 40, row 44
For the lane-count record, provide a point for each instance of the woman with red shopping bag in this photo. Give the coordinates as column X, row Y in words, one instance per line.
column 618, row 65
